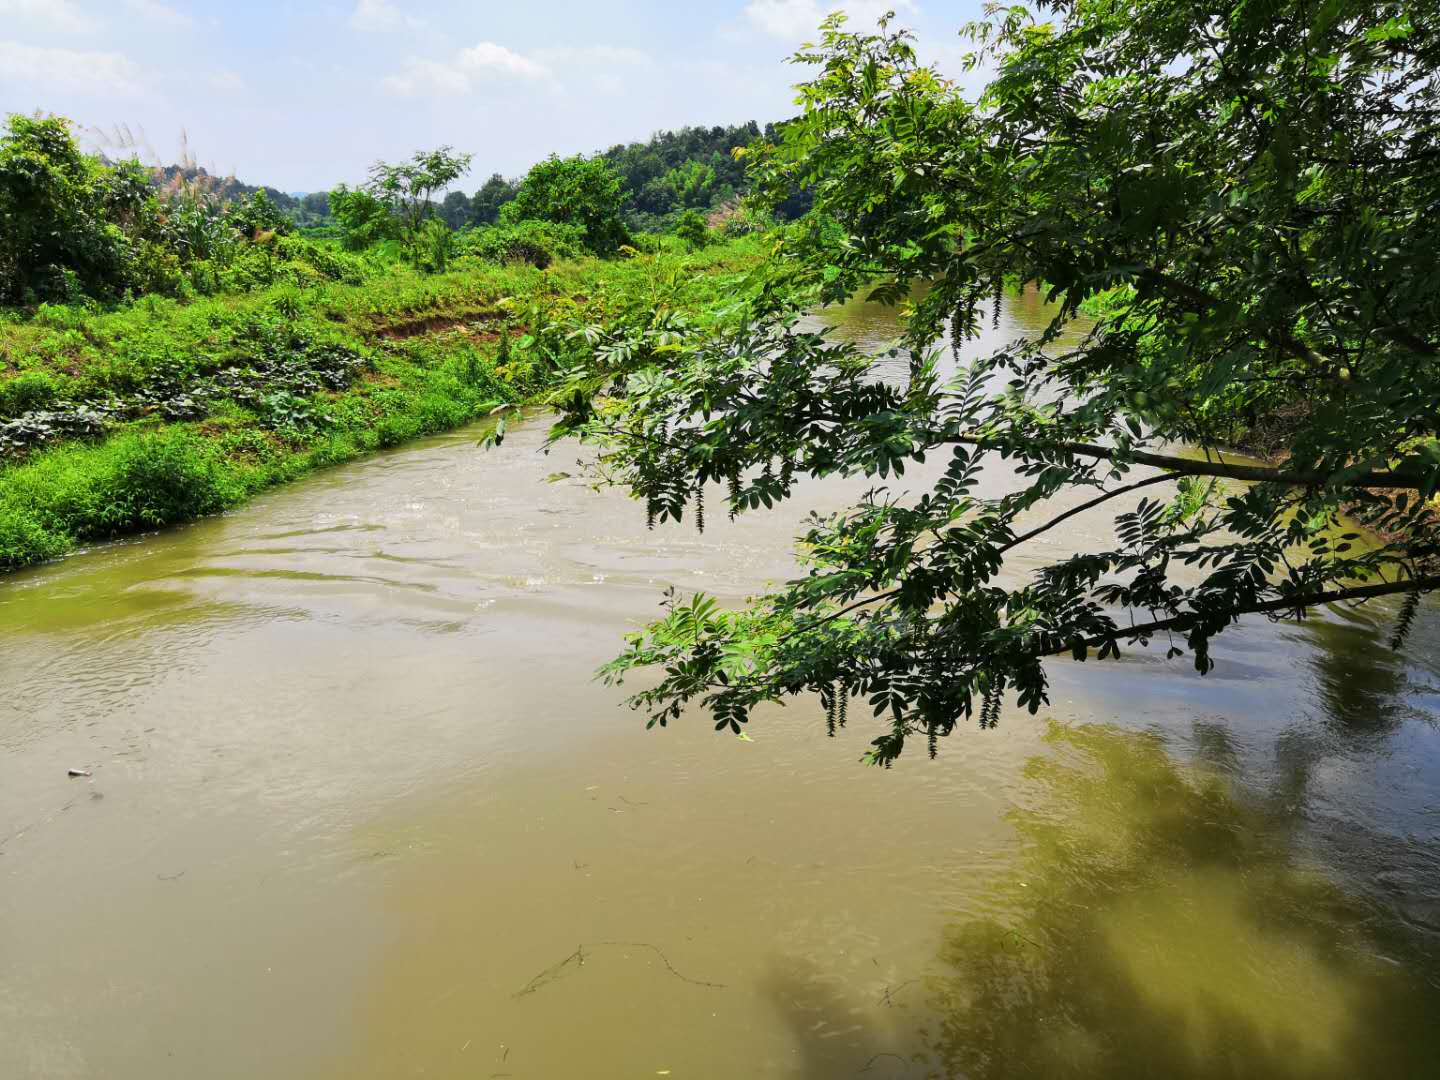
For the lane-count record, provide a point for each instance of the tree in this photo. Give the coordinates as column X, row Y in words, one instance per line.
column 646, row 168
column 455, row 210
column 486, row 203
column 316, row 205
column 693, row 184
column 258, row 214
column 408, row 188
column 63, row 213
column 572, row 191
column 363, row 219
column 692, row 229
column 1245, row 191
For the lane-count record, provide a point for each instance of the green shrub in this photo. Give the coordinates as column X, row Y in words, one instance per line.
column 23, row 540
column 691, row 228
column 157, row 479
column 28, row 391
column 573, row 191
column 532, row 243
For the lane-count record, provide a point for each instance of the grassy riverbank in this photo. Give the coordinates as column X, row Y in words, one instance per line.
column 119, row 421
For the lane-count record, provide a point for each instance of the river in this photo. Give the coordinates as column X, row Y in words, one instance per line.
column 359, row 809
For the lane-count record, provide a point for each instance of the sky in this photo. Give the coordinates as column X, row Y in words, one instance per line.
column 301, row 96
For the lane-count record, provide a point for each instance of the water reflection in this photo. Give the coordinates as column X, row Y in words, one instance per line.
column 1161, row 920
column 1160, row 924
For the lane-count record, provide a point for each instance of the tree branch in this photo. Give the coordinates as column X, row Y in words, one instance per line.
column 1297, row 604
column 876, row 598
column 1185, row 467
column 1091, row 504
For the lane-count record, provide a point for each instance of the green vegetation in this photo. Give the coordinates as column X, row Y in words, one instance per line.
column 406, row 190
column 77, row 229
column 1252, row 184
column 692, row 229
column 694, row 168
column 256, row 354
column 580, row 192
column 117, row 421
column 691, row 169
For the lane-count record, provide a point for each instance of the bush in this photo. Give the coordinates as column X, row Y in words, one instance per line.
column 533, row 243
column 740, row 217
column 691, row 228
column 133, row 482
column 57, row 205
column 256, row 215
column 74, row 227
column 23, row 540
column 151, row 480
column 573, row 191
column 28, row 392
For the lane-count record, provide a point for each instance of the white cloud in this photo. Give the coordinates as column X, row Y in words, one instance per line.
column 59, row 15
column 101, row 72
column 797, row 19
column 470, row 68
column 429, row 77
column 161, row 14
column 377, row 15
column 489, row 58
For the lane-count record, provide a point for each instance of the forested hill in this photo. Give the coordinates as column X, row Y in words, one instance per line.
column 693, row 168
column 306, row 210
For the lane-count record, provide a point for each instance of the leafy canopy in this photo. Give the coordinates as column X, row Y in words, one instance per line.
column 1244, row 188
column 493, row 194
column 75, row 227
column 363, row 219
column 572, row 191
column 407, row 189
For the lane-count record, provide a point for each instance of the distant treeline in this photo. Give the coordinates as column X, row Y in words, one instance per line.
column 303, row 210
column 77, row 226
column 693, row 168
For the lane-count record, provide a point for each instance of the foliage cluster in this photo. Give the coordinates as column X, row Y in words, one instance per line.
column 1250, row 181
column 694, row 168
column 74, row 227
column 302, row 211
column 575, row 191
column 535, row 243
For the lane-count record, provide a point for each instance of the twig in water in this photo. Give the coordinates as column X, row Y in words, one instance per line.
column 1021, row 937
column 871, row 1063
column 886, row 998
column 557, row 971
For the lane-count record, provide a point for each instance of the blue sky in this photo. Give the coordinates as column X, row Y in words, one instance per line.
column 303, row 95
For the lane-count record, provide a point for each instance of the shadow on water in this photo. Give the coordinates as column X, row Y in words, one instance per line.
column 835, row 1033
column 1361, row 681
column 1159, row 923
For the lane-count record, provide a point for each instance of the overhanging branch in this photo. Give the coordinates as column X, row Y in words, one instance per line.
column 1297, row 604
column 1188, row 467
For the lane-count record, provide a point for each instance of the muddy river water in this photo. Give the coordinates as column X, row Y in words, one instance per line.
column 359, row 809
